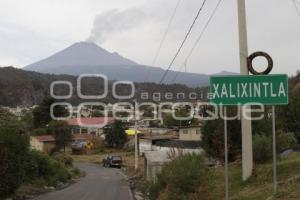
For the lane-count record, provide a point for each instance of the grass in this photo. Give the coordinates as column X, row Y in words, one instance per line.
column 260, row 185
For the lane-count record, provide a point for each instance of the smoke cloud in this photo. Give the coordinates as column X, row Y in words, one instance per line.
column 114, row 21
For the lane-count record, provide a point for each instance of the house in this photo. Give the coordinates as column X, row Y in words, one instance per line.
column 89, row 125
column 44, row 143
column 192, row 133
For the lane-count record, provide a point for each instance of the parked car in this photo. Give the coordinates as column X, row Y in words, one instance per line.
column 112, row 161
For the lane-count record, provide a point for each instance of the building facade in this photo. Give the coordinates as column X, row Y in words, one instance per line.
column 44, row 143
column 190, row 134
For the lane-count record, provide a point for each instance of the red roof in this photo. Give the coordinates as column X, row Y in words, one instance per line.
column 90, row 121
column 45, row 138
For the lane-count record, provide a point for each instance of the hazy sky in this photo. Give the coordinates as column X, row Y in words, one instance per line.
column 33, row 29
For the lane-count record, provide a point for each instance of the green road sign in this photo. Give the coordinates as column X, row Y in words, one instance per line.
column 263, row 89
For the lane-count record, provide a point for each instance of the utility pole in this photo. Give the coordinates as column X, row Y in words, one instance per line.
column 136, row 156
column 247, row 153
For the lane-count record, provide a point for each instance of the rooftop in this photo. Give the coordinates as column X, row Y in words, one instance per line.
column 90, row 121
column 45, row 138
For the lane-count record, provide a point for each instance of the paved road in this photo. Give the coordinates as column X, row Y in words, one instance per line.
column 99, row 183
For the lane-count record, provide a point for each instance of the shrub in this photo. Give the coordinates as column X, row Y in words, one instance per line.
column 213, row 137
column 40, row 166
column 13, row 149
column 262, row 148
column 181, row 178
column 39, row 131
column 115, row 135
column 285, row 140
column 64, row 159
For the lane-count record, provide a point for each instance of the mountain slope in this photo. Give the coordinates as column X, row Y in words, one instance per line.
column 84, row 57
column 82, row 53
column 26, row 88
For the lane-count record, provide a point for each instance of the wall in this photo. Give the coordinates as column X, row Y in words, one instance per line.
column 48, row 147
column 190, row 134
column 145, row 145
column 36, row 144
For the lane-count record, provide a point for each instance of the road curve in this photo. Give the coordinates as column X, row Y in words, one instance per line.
column 99, row 183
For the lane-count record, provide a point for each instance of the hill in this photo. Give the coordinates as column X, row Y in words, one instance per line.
column 26, row 88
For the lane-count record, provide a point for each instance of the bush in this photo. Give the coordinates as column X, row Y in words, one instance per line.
column 40, row 166
column 13, row 150
column 213, row 137
column 115, row 135
column 181, row 178
column 285, row 140
column 262, row 148
column 64, row 159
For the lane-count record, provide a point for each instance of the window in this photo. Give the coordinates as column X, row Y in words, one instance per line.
column 198, row 131
column 185, row 131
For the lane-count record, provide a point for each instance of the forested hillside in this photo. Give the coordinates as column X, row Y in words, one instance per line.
column 25, row 88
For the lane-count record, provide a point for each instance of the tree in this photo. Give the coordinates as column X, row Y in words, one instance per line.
column 62, row 133
column 10, row 121
column 262, row 148
column 115, row 135
column 41, row 114
column 26, row 121
column 170, row 121
column 13, row 150
column 213, row 136
column 288, row 116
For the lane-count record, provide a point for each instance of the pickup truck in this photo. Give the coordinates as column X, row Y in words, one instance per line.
column 112, row 161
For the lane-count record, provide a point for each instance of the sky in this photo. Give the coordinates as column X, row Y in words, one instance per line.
column 33, row 29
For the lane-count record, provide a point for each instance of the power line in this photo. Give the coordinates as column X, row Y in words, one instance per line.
column 198, row 39
column 182, row 43
column 163, row 38
column 166, row 33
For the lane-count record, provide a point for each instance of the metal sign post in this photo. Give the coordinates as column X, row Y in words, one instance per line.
column 226, row 154
column 274, row 151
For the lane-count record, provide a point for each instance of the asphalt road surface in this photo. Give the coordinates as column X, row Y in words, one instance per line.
column 98, row 184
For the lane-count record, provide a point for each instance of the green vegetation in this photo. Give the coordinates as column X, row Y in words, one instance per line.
column 213, row 137
column 289, row 115
column 13, row 154
column 62, row 133
column 115, row 135
column 21, row 166
column 41, row 114
column 285, row 140
column 259, row 186
column 41, row 168
column 262, row 148
column 187, row 178
column 184, row 178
